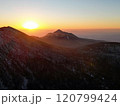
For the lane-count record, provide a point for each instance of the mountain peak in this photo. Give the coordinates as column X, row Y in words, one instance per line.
column 10, row 31
column 59, row 34
column 58, row 31
column 7, row 28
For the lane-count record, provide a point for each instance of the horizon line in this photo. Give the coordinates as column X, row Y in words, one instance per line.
column 63, row 28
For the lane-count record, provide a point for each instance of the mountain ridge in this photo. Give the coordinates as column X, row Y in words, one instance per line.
column 28, row 62
column 59, row 34
column 65, row 39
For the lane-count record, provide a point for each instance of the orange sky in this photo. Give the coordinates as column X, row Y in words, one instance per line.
column 61, row 14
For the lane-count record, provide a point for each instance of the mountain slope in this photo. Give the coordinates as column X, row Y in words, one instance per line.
column 65, row 39
column 30, row 63
column 59, row 34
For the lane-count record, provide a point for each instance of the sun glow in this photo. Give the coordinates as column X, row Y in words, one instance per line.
column 30, row 25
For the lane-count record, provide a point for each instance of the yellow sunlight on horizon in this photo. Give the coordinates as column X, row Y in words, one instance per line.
column 30, row 25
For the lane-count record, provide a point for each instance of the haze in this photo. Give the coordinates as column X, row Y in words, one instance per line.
column 61, row 14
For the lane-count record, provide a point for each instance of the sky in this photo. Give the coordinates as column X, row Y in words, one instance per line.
column 63, row 14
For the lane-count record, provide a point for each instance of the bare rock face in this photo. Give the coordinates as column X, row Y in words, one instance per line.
column 32, row 63
column 59, row 34
column 64, row 39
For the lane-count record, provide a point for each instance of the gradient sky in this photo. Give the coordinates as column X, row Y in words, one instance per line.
column 64, row 14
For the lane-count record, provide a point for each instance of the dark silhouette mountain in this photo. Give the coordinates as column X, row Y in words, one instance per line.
column 65, row 39
column 59, row 34
column 28, row 62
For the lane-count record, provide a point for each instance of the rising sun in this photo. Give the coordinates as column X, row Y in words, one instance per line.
column 30, row 25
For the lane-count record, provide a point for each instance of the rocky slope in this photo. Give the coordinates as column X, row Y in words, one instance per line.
column 31, row 63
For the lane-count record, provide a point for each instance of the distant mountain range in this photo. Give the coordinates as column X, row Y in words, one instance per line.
column 60, row 60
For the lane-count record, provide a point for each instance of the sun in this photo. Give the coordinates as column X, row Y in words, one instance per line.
column 30, row 25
